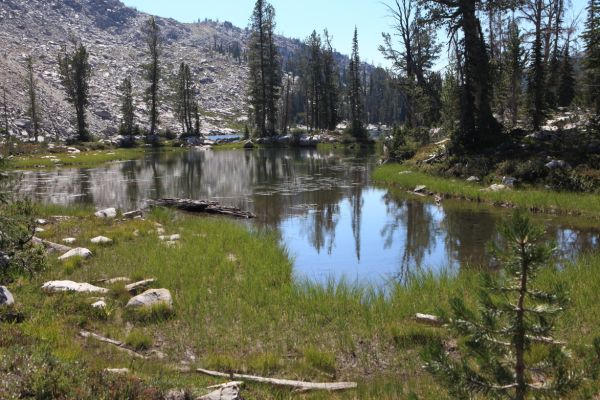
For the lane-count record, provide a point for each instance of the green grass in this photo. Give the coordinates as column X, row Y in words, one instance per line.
column 138, row 340
column 247, row 315
column 533, row 199
column 84, row 159
column 230, row 146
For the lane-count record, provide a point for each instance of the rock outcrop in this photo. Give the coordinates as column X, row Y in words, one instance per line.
column 78, row 252
column 70, row 286
column 151, row 298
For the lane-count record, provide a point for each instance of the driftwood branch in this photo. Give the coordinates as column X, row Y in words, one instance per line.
column 134, row 287
column 52, row 246
column 119, row 345
column 299, row 385
column 428, row 319
column 202, row 206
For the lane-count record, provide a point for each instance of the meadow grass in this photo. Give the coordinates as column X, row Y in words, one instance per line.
column 84, row 159
column 247, row 314
column 533, row 199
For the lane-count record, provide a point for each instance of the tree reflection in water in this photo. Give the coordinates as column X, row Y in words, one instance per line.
column 333, row 221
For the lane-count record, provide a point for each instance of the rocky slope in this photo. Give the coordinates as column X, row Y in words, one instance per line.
column 112, row 34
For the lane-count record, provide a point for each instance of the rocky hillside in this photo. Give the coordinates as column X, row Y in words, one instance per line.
column 112, row 34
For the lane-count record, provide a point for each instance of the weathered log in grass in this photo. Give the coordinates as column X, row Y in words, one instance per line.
column 119, row 345
column 298, row 385
column 202, row 206
column 51, row 246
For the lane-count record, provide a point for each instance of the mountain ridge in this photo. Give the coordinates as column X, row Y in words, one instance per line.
column 112, row 33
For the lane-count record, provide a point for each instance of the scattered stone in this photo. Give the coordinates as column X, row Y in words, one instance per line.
column 70, row 286
column 171, row 238
column 228, row 391
column 100, row 304
column 231, row 258
column 133, row 214
column 496, row 187
column 6, row 298
column 77, row 252
column 117, row 371
column 420, row 189
column 39, row 230
column 509, row 181
column 556, row 164
column 175, row 394
column 473, row 179
column 41, row 221
column 106, row 213
column 69, row 240
column 248, row 144
column 404, row 172
column 101, row 240
column 150, row 298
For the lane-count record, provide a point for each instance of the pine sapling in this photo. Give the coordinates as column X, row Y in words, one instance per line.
column 506, row 348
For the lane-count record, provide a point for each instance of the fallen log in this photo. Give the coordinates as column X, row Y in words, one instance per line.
column 52, row 246
column 119, row 345
column 134, row 287
column 428, row 319
column 299, row 385
column 202, row 206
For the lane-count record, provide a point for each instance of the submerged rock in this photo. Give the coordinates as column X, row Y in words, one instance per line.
column 6, row 298
column 78, row 252
column 150, row 298
column 106, row 213
column 70, row 286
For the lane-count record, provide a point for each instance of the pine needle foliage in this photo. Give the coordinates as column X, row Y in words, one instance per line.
column 506, row 348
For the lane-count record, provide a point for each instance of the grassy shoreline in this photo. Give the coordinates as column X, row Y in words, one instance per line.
column 535, row 200
column 87, row 158
column 238, row 308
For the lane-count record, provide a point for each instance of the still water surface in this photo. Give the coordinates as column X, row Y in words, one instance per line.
column 334, row 222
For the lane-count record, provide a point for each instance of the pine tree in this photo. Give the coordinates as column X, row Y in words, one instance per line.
column 33, row 110
column 314, row 77
column 537, row 70
column 515, row 319
column 355, row 92
column 591, row 61
column 265, row 72
column 515, row 62
column 152, row 72
column 75, row 71
column 185, row 99
column 331, row 82
column 566, row 88
column 478, row 127
column 127, row 110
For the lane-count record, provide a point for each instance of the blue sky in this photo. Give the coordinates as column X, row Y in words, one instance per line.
column 297, row 18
